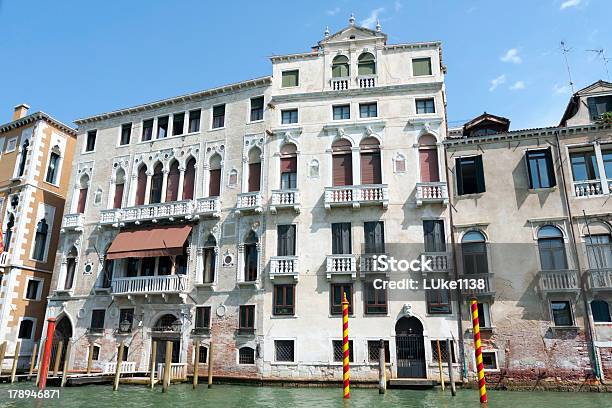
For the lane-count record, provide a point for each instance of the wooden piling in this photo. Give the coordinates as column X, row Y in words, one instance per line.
column 440, row 364
column 210, row 364
column 449, row 359
column 118, row 368
column 90, row 357
column 33, row 359
column 66, row 363
column 196, row 364
column 382, row 380
column 58, row 358
column 2, row 353
column 15, row 361
column 153, row 352
column 167, row 367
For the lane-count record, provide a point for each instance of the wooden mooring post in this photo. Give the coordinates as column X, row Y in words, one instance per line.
column 210, row 364
column 167, row 367
column 118, row 368
column 152, row 374
column 90, row 357
column 58, row 358
column 33, row 359
column 440, row 364
column 382, row 380
column 449, row 359
column 15, row 361
column 196, row 363
column 66, row 363
column 2, row 353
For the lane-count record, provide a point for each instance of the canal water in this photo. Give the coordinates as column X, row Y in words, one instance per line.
column 229, row 396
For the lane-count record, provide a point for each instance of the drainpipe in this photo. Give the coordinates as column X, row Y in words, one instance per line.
column 587, row 322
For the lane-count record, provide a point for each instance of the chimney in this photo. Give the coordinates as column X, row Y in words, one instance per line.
column 21, row 110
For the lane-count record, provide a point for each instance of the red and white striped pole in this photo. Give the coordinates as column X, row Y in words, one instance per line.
column 44, row 365
column 345, row 349
column 482, row 388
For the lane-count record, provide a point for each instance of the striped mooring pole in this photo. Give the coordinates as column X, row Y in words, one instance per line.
column 482, row 388
column 345, row 349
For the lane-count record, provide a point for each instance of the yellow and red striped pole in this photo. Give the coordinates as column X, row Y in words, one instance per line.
column 345, row 349
column 482, row 388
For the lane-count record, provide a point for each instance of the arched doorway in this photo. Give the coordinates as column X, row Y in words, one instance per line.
column 410, row 348
column 167, row 328
column 63, row 334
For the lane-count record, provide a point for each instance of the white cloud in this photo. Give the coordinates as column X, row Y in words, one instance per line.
column 398, row 5
column 560, row 89
column 570, row 3
column 372, row 18
column 517, row 86
column 333, row 11
column 497, row 82
column 511, row 56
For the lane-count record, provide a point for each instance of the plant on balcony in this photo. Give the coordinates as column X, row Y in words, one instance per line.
column 605, row 119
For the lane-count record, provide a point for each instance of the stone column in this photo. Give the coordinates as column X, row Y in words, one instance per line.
column 356, row 165
column 181, row 180
column 601, row 169
column 164, row 185
column 148, row 188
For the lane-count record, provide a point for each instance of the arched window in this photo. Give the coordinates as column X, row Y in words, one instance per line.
column 172, row 185
column 369, row 151
column 40, row 240
column 601, row 311
column 552, row 248
column 232, row 180
column 246, row 355
column 23, row 158
column 166, row 323
column 254, row 180
column 53, row 169
column 84, row 188
column 71, row 260
column 189, row 179
column 156, row 184
column 428, row 159
column 366, row 64
column 141, row 185
column 250, row 257
column 210, row 259
column 474, row 250
column 340, row 67
column 288, row 166
column 8, row 234
column 119, row 188
column 342, row 163
column 214, row 176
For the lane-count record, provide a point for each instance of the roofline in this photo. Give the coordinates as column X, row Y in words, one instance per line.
column 251, row 83
column 40, row 115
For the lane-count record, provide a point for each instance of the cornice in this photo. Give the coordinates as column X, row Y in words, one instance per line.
column 26, row 120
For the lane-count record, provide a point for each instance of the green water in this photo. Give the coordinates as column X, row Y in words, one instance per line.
column 226, row 396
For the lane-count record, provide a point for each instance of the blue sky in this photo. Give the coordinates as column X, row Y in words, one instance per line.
column 77, row 58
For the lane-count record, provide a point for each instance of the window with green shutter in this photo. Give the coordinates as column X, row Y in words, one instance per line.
column 421, row 66
column 291, row 78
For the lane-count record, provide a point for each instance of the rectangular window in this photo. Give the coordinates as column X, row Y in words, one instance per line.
column 286, row 240
column 540, row 169
column 218, row 120
column 443, row 351
column 584, row 166
column 339, row 352
column 489, row 360
column 288, row 172
column 257, row 108
column 202, row 317
column 97, row 319
column 91, row 141
column 26, row 329
column 284, row 300
column 336, row 295
column 562, row 313
column 203, row 356
column 148, row 267
column 470, row 175
column 434, row 239
column 375, row 300
column 162, row 127
column 289, row 116
column 598, row 105
column 126, row 316
column 484, row 315
column 342, row 112
column 425, row 106
column 284, row 350
column 147, row 130
column 374, row 237
column 421, row 66
column 374, row 351
column 438, row 301
column 606, row 155
column 194, row 120
column 178, row 121
column 246, row 355
column 246, row 323
column 32, row 289
column 368, row 110
column 126, row 133
column 133, row 265
column 290, row 78
column 341, row 238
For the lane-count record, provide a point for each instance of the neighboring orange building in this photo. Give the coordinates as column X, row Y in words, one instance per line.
column 36, row 154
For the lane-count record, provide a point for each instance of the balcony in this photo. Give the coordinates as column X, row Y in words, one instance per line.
column 366, row 81
column 72, row 222
column 341, row 265
column 591, row 188
column 600, row 279
column 209, row 206
column 340, row 84
column 285, row 199
column 564, row 280
column 356, row 196
column 367, row 264
column 489, row 285
column 431, row 192
column 249, row 202
column 145, row 285
column 159, row 211
column 284, row 266
column 441, row 262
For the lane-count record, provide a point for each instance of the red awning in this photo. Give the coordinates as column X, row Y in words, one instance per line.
column 152, row 241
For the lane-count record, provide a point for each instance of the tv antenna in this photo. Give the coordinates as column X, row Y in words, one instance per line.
column 602, row 54
column 565, row 51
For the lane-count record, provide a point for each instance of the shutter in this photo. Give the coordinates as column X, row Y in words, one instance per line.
column 438, row 236
column 141, row 187
column 82, row 201
column 370, row 168
column 529, row 169
column 288, row 165
column 379, row 237
column 428, row 159
column 118, row 195
column 342, row 170
column 592, row 107
column 254, row 177
column 173, row 183
column 550, row 168
column 189, row 180
column 341, row 238
column 214, row 184
column 480, row 181
column 458, row 176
